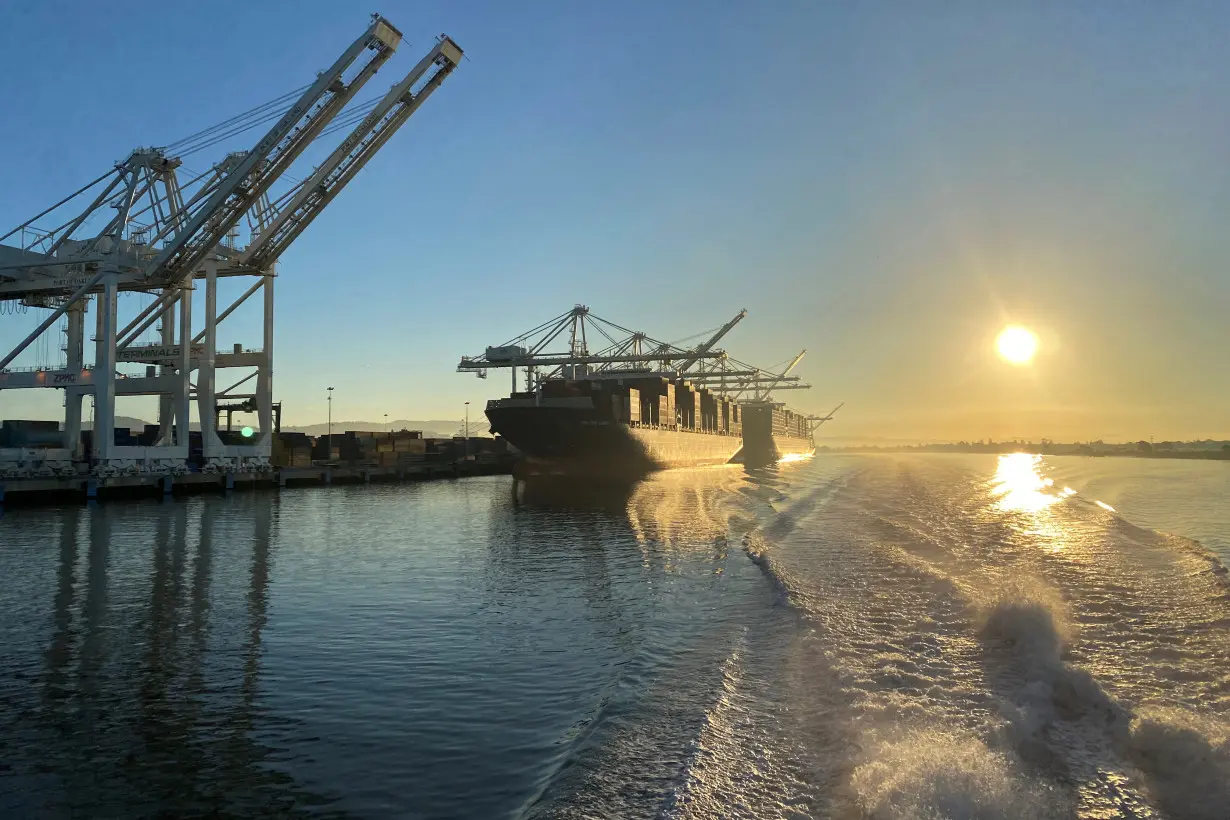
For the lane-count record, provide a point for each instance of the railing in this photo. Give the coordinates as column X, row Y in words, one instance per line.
column 681, row 429
column 40, row 369
column 86, row 369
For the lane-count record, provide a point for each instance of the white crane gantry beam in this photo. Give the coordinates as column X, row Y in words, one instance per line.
column 270, row 157
column 741, row 376
column 763, row 392
column 353, row 153
column 568, row 359
column 252, row 173
column 707, row 346
column 198, row 239
column 195, row 230
column 528, row 350
column 818, row 421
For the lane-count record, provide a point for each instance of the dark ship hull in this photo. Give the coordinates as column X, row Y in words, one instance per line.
column 617, row 428
column 565, row 441
column 772, row 433
column 621, row 429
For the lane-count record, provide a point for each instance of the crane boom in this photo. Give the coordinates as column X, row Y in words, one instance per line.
column 157, row 235
column 707, row 346
column 817, row 421
column 529, row 350
column 352, row 154
column 264, row 164
column 747, row 377
column 556, row 360
column 780, row 376
column 793, row 363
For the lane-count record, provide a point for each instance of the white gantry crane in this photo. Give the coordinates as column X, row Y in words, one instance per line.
column 625, row 352
column 748, row 384
column 621, row 352
column 145, row 231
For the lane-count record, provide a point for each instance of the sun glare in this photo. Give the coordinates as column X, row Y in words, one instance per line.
column 1020, row 485
column 1016, row 344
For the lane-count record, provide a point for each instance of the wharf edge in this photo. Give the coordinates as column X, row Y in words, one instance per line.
column 65, row 491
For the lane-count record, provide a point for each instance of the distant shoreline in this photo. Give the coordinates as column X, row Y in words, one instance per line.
column 1203, row 451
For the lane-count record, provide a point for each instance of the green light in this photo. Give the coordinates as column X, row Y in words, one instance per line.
column 246, row 432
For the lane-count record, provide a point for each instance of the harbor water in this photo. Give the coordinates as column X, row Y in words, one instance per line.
column 887, row 636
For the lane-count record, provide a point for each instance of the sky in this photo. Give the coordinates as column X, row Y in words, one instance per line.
column 886, row 185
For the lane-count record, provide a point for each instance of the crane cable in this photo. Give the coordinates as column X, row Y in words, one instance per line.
column 209, row 142
column 225, row 129
column 352, row 117
column 281, row 104
column 348, row 118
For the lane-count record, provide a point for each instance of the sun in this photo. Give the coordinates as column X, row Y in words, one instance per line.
column 1016, row 344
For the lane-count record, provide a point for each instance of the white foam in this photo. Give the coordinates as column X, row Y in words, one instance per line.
column 930, row 774
column 1007, row 710
column 1187, row 760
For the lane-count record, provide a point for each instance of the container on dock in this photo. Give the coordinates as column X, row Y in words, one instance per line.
column 409, row 445
column 30, row 433
column 292, row 449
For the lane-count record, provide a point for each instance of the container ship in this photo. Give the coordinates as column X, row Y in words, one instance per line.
column 617, row 427
column 638, row 405
column 773, row 432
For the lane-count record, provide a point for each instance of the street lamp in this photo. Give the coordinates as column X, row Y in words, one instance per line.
column 467, row 450
column 329, row 437
column 386, row 422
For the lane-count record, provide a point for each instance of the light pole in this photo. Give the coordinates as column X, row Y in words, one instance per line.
column 329, row 436
column 386, row 422
column 467, row 450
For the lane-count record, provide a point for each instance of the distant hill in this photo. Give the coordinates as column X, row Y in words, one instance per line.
column 122, row 422
column 432, row 428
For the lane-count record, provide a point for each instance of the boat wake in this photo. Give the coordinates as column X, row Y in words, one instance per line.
column 986, row 648
column 932, row 642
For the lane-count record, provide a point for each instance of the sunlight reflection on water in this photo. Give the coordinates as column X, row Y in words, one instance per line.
column 1020, row 485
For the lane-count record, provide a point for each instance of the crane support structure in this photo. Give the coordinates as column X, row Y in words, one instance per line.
column 818, row 421
column 707, row 346
column 626, row 353
column 144, row 231
column 764, row 390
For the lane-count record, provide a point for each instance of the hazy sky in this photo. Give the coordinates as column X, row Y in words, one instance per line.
column 884, row 184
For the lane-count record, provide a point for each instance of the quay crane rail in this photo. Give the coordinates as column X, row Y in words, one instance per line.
column 165, row 234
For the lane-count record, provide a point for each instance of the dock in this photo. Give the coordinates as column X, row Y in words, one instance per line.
column 81, row 489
